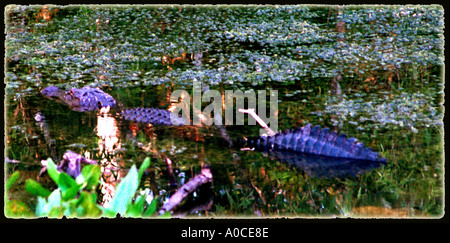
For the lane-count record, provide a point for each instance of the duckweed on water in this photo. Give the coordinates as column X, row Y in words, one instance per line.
column 254, row 44
column 385, row 111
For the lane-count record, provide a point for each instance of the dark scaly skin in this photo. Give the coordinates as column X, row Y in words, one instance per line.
column 317, row 141
column 84, row 99
column 318, row 152
column 150, row 115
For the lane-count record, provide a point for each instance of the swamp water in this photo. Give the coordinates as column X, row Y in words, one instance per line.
column 131, row 53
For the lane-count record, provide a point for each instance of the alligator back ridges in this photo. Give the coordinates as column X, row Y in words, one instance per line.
column 314, row 140
column 151, row 115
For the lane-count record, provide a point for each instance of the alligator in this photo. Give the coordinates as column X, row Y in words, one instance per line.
column 91, row 99
column 317, row 151
column 303, row 146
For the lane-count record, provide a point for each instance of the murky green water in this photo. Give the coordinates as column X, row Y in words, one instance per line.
column 390, row 60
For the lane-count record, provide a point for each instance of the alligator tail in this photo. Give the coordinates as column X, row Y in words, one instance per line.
column 314, row 140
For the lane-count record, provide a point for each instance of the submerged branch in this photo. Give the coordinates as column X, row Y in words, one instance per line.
column 258, row 119
column 204, row 177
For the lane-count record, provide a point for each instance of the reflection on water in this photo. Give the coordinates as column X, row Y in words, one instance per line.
column 108, row 132
column 111, row 175
column 112, row 165
column 324, row 166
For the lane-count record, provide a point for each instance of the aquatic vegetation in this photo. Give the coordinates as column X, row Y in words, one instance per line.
column 77, row 197
column 383, row 110
column 254, row 44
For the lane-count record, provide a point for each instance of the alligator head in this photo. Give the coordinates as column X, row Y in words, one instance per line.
column 84, row 99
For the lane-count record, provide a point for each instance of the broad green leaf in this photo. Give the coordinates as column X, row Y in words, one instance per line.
column 69, row 187
column 52, row 170
column 52, row 206
column 42, row 207
column 36, row 188
column 151, row 208
column 70, row 211
column 107, row 212
column 70, row 193
column 65, row 182
column 125, row 191
column 54, row 200
column 87, row 206
column 89, row 177
column 135, row 209
column 12, row 178
column 56, row 212
column 144, row 167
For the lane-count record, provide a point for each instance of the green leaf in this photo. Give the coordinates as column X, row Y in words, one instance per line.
column 89, row 177
column 70, row 193
column 70, row 211
column 65, row 182
column 230, row 199
column 42, row 207
column 12, row 178
column 144, row 167
column 50, row 206
column 56, row 212
column 52, row 170
column 151, row 208
column 125, row 191
column 36, row 188
column 87, row 205
column 54, row 200
column 139, row 203
column 108, row 212
column 135, row 209
column 69, row 187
